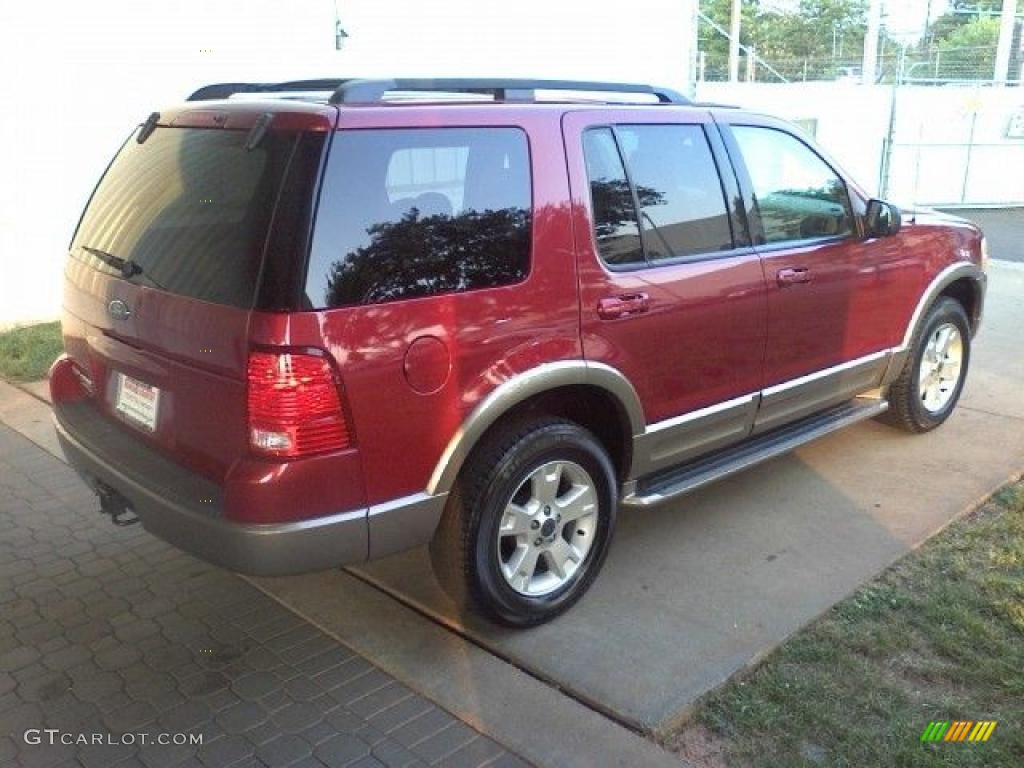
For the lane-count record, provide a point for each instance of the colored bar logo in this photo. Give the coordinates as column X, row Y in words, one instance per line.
column 958, row 730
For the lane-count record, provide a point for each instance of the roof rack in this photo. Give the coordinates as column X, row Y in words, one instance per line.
column 224, row 90
column 352, row 91
column 372, row 91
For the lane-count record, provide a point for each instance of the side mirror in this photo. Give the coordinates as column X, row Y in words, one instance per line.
column 882, row 219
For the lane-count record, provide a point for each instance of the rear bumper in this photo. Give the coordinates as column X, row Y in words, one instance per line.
column 183, row 509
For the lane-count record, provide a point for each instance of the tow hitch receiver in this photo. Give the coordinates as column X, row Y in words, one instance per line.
column 115, row 505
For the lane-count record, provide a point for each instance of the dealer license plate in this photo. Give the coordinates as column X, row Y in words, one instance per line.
column 137, row 401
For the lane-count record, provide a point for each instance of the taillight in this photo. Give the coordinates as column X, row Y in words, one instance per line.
column 294, row 405
column 69, row 381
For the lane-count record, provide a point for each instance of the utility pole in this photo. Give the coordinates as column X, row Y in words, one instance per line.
column 870, row 64
column 1006, row 20
column 734, row 41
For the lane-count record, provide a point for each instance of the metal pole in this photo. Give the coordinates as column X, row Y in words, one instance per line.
column 1006, row 19
column 870, row 64
column 734, row 41
column 693, row 60
column 883, row 173
column 970, row 151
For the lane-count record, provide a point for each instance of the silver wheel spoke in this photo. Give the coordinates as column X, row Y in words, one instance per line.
column 561, row 557
column 516, row 521
column 943, row 339
column 545, row 482
column 521, row 567
column 580, row 501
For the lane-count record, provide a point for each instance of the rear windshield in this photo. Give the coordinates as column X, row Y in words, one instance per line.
column 188, row 211
column 406, row 213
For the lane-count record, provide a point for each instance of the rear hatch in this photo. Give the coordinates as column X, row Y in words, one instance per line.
column 202, row 217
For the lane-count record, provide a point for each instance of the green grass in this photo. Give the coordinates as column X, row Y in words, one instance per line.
column 26, row 353
column 939, row 636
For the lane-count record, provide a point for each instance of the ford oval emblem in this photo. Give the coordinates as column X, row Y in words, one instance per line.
column 118, row 310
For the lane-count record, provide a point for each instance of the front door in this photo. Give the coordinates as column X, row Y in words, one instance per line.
column 671, row 293
column 831, row 294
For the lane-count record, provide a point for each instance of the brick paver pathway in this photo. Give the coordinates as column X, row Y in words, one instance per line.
column 109, row 631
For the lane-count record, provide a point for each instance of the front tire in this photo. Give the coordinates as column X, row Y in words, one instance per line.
column 528, row 524
column 933, row 376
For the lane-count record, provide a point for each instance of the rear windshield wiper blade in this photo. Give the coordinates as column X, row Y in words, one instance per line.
column 128, row 269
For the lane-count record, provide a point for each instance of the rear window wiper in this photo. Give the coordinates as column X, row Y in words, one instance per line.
column 128, row 269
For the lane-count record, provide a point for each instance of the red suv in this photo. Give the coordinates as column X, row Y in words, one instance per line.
column 313, row 323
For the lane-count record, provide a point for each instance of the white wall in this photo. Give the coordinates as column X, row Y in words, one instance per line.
column 851, row 119
column 77, row 76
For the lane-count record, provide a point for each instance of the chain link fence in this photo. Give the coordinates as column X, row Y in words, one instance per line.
column 934, row 125
column 941, row 66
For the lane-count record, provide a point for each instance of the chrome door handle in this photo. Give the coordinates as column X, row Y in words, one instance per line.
column 792, row 276
column 614, row 307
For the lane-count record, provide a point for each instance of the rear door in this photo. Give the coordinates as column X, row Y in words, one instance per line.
column 672, row 295
column 165, row 269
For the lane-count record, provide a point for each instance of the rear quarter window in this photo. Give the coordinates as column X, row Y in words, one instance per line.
column 406, row 213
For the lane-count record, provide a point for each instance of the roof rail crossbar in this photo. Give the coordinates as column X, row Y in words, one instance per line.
column 373, row 91
column 225, row 90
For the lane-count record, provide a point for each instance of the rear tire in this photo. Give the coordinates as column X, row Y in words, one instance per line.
column 933, row 375
column 528, row 523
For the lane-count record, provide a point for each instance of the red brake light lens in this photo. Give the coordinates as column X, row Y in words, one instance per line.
column 294, row 405
column 69, row 381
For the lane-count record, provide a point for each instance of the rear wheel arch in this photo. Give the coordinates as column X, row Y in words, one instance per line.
column 580, row 391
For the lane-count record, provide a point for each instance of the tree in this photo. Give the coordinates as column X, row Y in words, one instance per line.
column 804, row 42
column 969, row 51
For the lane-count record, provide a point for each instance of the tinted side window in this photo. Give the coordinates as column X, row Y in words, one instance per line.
column 615, row 224
column 798, row 196
column 417, row 212
column 682, row 204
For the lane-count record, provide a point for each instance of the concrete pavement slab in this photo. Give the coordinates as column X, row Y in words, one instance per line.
column 698, row 589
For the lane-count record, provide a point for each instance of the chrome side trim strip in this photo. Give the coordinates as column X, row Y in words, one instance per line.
column 810, row 378
column 678, row 439
column 711, row 410
column 803, row 396
column 399, row 504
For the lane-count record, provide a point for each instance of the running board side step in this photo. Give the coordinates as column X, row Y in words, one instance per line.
column 665, row 486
